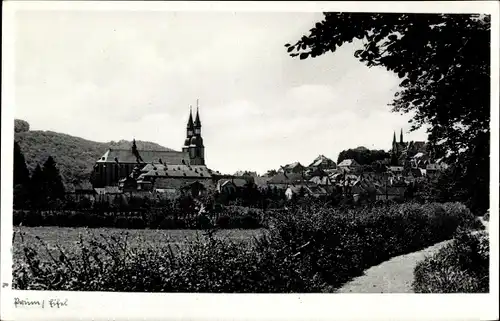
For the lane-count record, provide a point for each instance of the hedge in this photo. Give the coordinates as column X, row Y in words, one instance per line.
column 460, row 267
column 305, row 250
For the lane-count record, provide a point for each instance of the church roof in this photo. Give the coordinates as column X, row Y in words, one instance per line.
column 200, row 171
column 148, row 156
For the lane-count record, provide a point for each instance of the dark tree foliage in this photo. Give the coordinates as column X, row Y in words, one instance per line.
column 21, row 173
column 37, row 191
column 53, row 185
column 21, row 178
column 443, row 61
column 271, row 172
column 363, row 156
column 21, row 126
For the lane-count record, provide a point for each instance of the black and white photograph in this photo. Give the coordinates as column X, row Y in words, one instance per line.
column 190, row 150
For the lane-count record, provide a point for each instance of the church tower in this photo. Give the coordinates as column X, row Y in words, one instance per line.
column 195, row 147
column 394, row 144
column 189, row 131
column 401, row 136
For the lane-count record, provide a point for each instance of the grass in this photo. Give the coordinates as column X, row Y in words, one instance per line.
column 68, row 238
column 460, row 267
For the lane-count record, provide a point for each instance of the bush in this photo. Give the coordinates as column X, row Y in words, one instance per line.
column 305, row 250
column 460, row 267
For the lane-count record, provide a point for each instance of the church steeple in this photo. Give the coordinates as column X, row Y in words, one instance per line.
column 197, row 122
column 401, row 136
column 190, row 128
column 394, row 138
column 190, row 125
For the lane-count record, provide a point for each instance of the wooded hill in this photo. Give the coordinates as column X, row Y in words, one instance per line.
column 74, row 156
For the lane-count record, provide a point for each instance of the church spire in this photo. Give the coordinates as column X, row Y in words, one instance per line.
column 197, row 122
column 394, row 138
column 401, row 136
column 190, row 121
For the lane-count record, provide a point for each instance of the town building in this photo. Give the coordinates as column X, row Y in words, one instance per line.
column 116, row 164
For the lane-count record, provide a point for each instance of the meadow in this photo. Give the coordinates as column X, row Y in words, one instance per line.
column 51, row 238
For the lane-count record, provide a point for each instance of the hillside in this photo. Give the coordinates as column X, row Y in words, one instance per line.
column 74, row 156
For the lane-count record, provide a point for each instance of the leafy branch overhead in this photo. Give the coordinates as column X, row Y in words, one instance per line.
column 443, row 62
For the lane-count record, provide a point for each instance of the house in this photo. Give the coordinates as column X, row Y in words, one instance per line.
column 194, row 189
column 322, row 162
column 306, row 190
column 350, row 164
column 108, row 194
column 261, row 182
column 283, row 180
column 226, row 186
column 292, row 168
column 82, row 190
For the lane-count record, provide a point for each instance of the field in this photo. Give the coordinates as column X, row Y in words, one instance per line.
column 68, row 238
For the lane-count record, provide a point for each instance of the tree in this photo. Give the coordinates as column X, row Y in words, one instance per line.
column 21, row 178
column 21, row 126
column 36, row 189
column 362, row 156
column 443, row 61
column 271, row 172
column 53, row 185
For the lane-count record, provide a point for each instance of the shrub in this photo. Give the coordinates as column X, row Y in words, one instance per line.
column 460, row 267
column 310, row 249
column 486, row 216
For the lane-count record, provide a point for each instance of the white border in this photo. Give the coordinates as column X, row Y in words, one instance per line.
column 221, row 307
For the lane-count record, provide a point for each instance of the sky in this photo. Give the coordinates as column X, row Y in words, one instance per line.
column 113, row 75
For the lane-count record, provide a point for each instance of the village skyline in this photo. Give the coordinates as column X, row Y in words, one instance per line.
column 122, row 80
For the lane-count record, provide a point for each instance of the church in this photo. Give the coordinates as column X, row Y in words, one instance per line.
column 116, row 164
column 409, row 152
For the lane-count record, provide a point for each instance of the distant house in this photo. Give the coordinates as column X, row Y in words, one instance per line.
column 194, row 189
column 226, row 186
column 261, row 182
column 82, row 190
column 348, row 164
column 322, row 162
column 305, row 190
column 292, row 168
column 283, row 180
column 231, row 185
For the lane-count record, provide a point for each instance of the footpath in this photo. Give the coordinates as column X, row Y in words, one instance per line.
column 394, row 275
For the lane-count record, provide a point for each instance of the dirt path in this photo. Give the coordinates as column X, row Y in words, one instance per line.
column 394, row 275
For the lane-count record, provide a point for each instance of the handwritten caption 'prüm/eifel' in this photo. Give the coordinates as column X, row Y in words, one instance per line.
column 51, row 303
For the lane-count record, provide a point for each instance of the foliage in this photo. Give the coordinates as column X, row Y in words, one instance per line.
column 170, row 217
column 363, row 156
column 21, row 126
column 271, row 173
column 75, row 156
column 445, row 83
column 21, row 178
column 459, row 267
column 52, row 182
column 305, row 250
